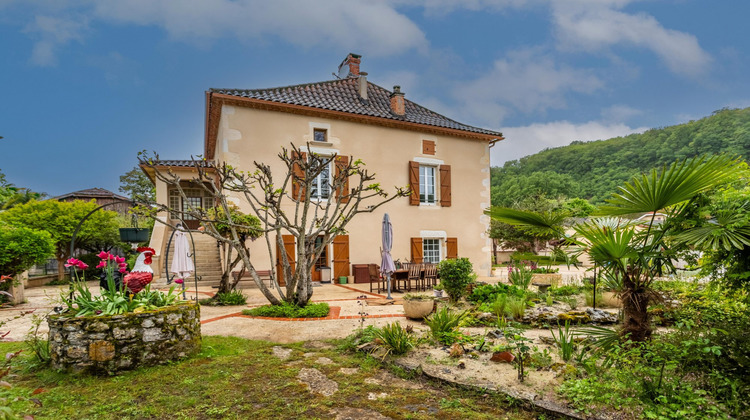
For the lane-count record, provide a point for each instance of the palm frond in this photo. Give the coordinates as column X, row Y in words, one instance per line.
column 541, row 224
column 672, row 185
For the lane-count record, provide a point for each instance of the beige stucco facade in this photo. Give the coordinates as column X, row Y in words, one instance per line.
column 245, row 135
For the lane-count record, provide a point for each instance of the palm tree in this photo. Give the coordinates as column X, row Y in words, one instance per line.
column 634, row 253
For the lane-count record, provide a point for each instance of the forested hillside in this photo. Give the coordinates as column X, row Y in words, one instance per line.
column 593, row 170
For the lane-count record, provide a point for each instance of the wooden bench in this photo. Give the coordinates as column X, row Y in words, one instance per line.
column 263, row 274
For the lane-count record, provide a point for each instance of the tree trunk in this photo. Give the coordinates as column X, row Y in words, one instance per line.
column 61, row 269
column 637, row 323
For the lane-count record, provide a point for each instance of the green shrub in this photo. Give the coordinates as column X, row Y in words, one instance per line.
column 500, row 305
column 455, row 275
column 589, row 295
column 564, row 291
column 395, row 338
column 444, row 321
column 515, row 307
column 544, row 270
column 232, row 298
column 289, row 310
column 489, row 292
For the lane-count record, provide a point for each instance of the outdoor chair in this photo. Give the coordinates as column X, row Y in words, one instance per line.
column 430, row 275
column 415, row 274
column 374, row 271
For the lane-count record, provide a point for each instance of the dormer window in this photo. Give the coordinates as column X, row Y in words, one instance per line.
column 320, row 135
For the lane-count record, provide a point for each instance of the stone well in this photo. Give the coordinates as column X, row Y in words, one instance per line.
column 109, row 344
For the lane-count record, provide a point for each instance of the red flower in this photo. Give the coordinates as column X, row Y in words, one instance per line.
column 103, row 255
column 102, row 264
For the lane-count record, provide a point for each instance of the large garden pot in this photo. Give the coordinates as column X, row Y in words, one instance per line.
column 418, row 309
column 610, row 300
column 551, row 279
column 110, row 344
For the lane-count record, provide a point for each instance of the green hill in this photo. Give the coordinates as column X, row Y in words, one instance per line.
column 593, row 170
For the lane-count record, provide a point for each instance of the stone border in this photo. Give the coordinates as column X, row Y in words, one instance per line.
column 528, row 398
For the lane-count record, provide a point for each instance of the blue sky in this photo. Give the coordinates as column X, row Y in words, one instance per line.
column 86, row 84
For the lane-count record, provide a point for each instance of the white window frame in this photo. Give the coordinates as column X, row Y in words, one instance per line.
column 423, row 184
column 435, row 252
column 318, row 185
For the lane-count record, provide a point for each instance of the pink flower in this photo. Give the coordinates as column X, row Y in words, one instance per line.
column 123, row 270
column 82, row 265
column 102, row 264
column 119, row 260
column 103, row 255
column 179, row 281
column 72, row 262
column 3, row 278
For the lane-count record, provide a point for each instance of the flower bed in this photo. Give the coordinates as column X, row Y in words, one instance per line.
column 110, row 344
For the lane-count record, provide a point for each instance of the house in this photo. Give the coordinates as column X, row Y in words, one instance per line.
column 114, row 202
column 446, row 163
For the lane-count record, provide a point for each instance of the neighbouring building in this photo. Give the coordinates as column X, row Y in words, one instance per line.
column 447, row 164
column 115, row 202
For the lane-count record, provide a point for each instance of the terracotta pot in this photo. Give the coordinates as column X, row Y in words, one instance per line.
column 418, row 309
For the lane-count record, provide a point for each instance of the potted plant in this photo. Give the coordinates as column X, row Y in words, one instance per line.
column 417, row 306
column 438, row 290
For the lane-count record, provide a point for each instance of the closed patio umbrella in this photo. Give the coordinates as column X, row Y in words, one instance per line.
column 182, row 263
column 386, row 266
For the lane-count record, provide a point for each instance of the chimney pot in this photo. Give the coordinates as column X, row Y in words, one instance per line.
column 363, row 86
column 398, row 105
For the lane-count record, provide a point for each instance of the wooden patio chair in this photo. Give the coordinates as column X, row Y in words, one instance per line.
column 415, row 274
column 375, row 276
column 430, row 275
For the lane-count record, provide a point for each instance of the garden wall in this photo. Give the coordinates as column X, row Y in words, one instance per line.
column 109, row 344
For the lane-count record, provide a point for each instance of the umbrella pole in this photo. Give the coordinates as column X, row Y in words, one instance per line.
column 388, row 276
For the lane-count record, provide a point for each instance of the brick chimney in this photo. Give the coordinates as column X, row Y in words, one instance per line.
column 350, row 66
column 397, row 101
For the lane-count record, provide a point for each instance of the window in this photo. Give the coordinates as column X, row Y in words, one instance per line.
column 426, row 184
column 320, row 134
column 430, row 250
column 321, row 186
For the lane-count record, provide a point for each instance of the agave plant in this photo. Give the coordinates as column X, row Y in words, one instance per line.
column 638, row 253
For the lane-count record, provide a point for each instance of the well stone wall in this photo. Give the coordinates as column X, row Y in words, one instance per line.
column 110, row 344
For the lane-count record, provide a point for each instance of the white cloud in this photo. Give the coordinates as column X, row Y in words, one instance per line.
column 374, row 27
column 524, row 80
column 526, row 140
column 53, row 32
column 595, row 25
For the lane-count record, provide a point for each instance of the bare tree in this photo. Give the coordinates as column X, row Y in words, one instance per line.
column 316, row 197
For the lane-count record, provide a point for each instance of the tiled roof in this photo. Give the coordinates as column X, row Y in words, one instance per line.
column 343, row 95
column 91, row 193
column 186, row 163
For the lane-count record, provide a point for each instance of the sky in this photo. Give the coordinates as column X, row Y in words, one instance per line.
column 87, row 84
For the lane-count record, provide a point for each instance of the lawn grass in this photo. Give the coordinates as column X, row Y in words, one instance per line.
column 235, row 378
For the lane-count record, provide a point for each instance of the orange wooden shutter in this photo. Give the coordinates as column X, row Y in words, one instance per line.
column 445, row 185
column 289, row 246
column 416, row 250
column 451, row 245
column 342, row 193
column 428, row 147
column 298, row 176
column 340, row 256
column 414, row 183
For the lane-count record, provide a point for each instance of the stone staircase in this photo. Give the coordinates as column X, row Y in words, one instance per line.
column 207, row 258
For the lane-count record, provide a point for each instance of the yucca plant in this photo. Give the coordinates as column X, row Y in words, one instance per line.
column 444, row 321
column 396, row 339
column 638, row 253
column 520, row 277
column 564, row 340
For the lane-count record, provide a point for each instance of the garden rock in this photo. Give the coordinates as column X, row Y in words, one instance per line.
column 349, row 371
column 373, row 396
column 324, row 361
column 486, row 316
column 317, row 382
column 601, row 317
column 281, row 352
